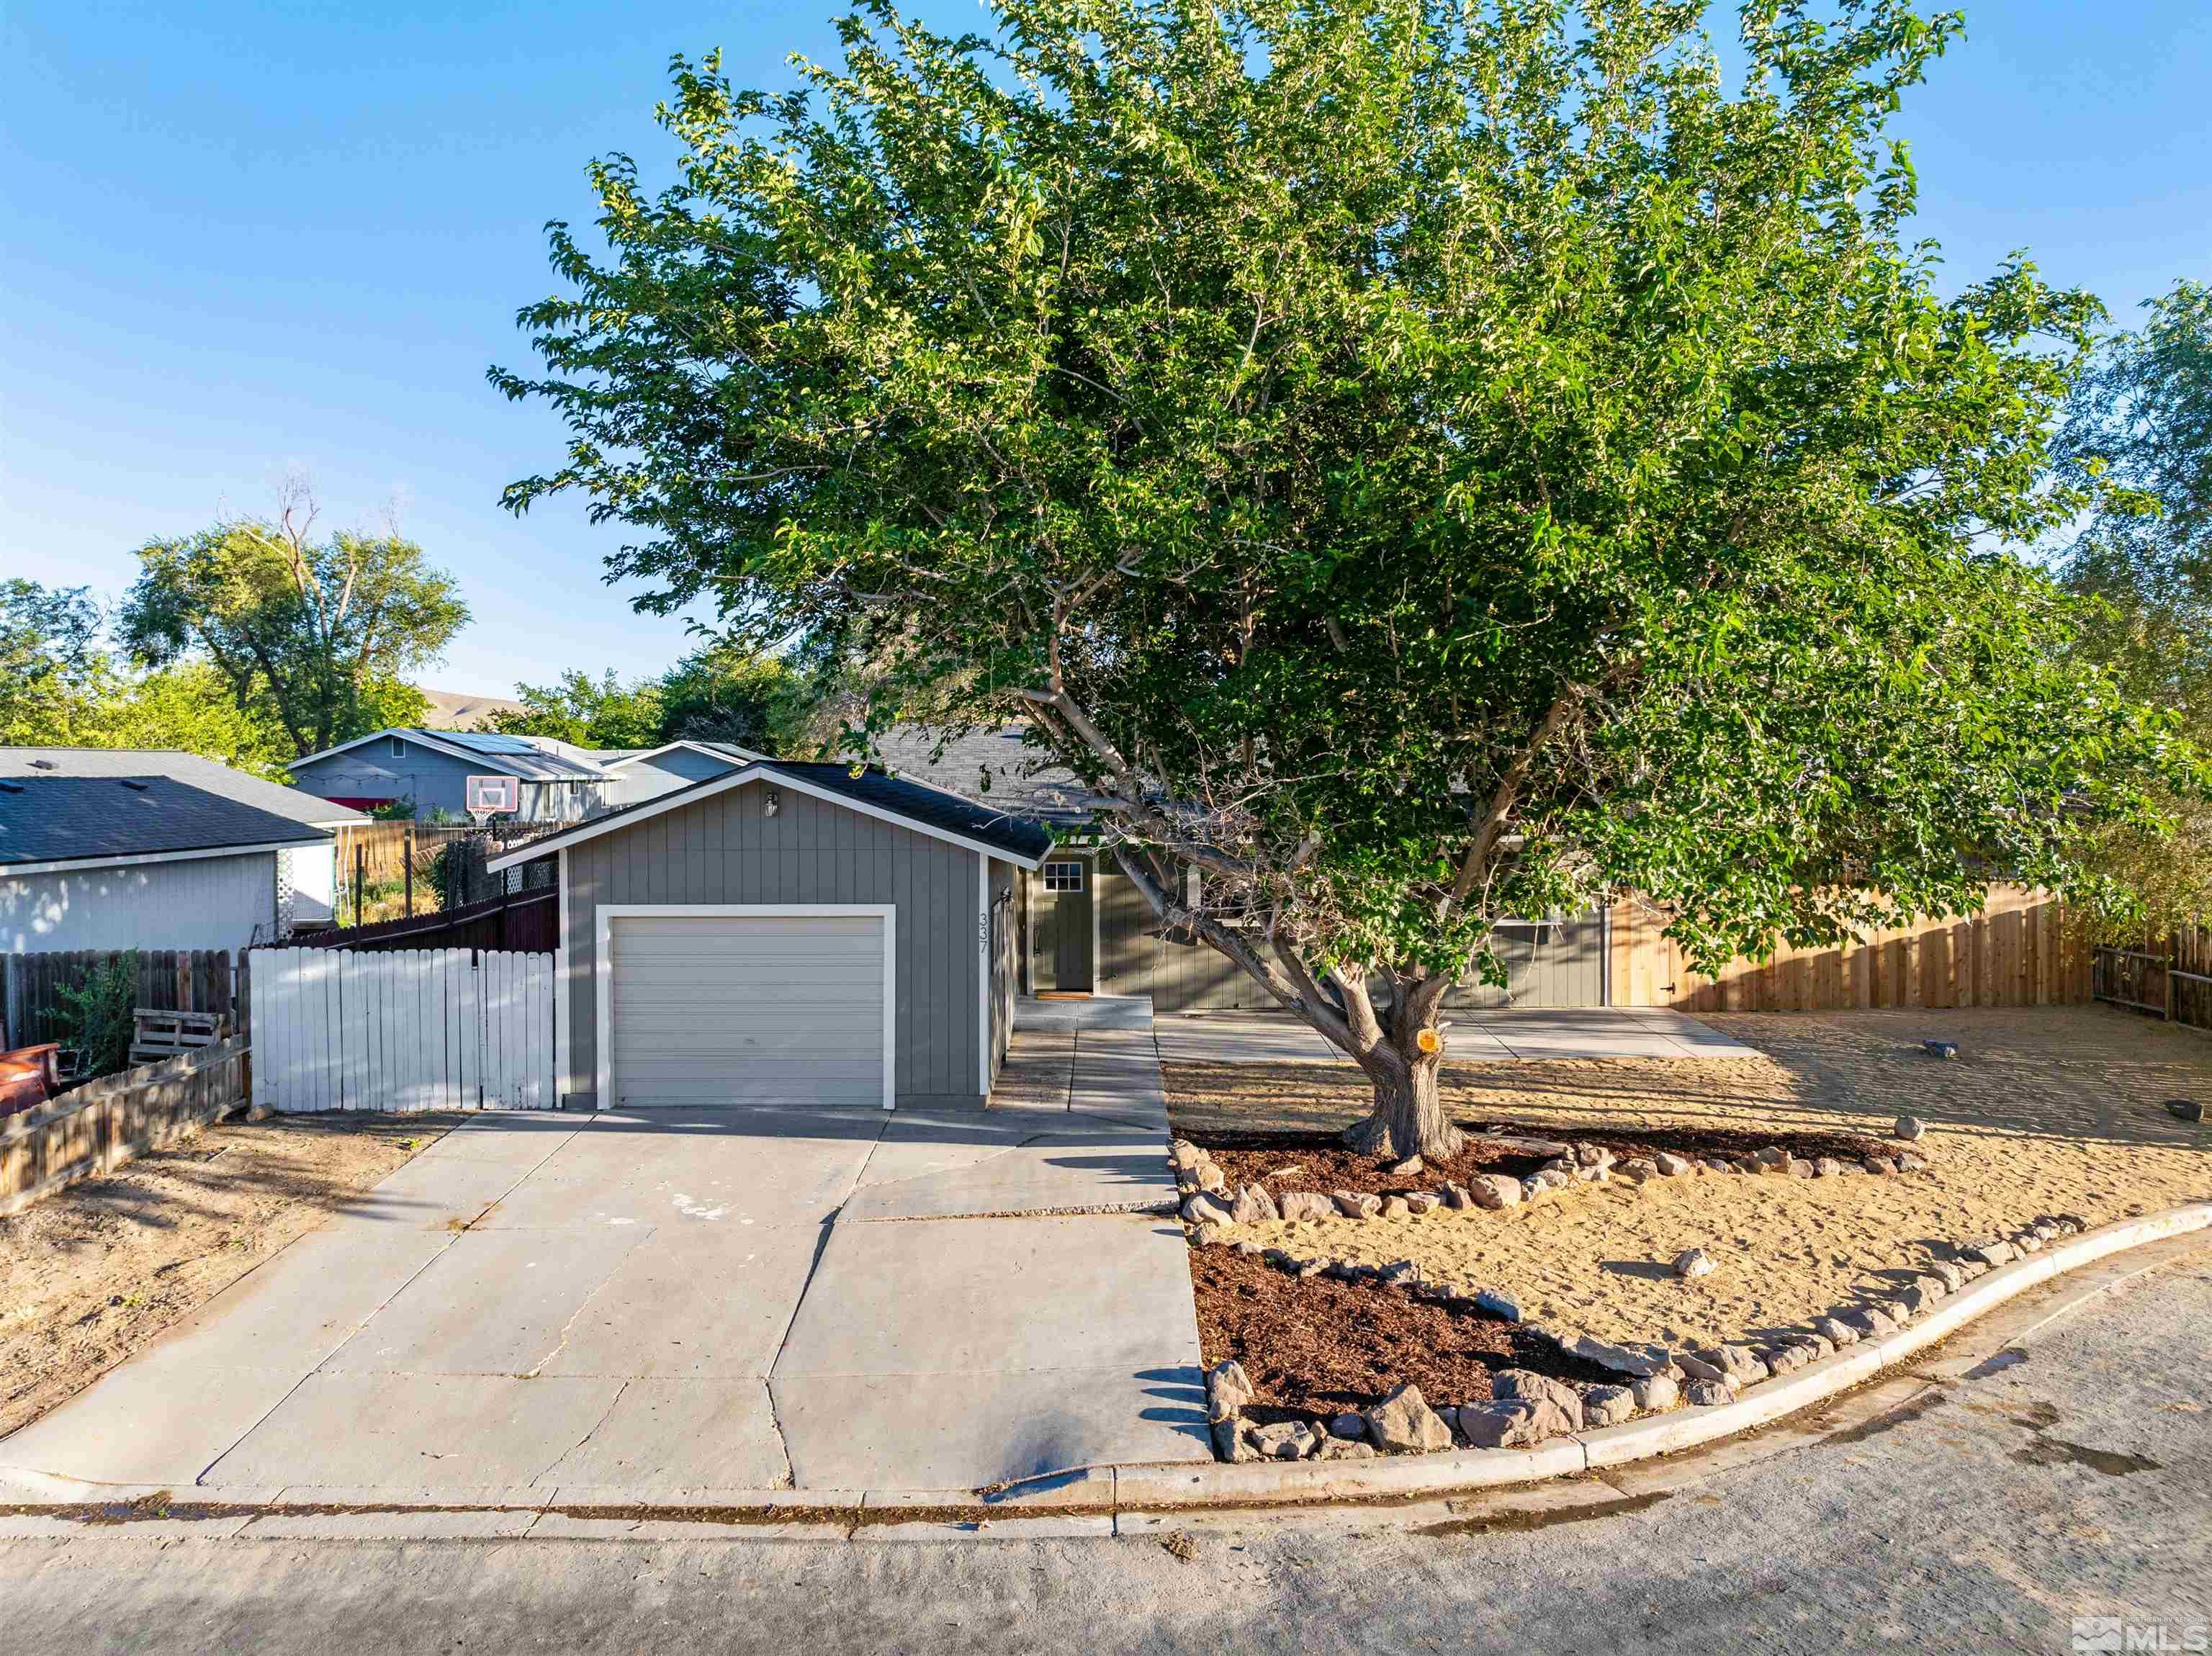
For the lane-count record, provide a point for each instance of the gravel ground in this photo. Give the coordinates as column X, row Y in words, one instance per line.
column 2069, row 1477
column 97, row 1271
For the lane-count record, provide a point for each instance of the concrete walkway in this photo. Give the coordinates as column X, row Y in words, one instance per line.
column 634, row 1307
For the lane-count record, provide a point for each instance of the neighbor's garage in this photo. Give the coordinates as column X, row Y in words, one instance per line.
column 786, row 933
column 720, row 1008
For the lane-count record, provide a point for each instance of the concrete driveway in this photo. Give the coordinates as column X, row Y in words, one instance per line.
column 718, row 1299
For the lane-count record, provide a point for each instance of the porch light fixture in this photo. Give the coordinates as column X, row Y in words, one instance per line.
column 772, row 804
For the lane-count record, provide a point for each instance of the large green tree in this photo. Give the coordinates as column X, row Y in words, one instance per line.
column 1423, row 463
column 60, row 686
column 2141, row 422
column 321, row 637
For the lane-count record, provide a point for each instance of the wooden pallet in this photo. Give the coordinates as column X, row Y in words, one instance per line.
column 159, row 1035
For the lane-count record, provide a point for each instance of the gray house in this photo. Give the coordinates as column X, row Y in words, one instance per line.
column 639, row 773
column 114, row 848
column 555, row 781
column 787, row 932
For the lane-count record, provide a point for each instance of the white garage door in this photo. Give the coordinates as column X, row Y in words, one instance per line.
column 747, row 1008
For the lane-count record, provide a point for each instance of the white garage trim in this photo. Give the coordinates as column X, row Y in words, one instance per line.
column 603, row 963
column 983, row 963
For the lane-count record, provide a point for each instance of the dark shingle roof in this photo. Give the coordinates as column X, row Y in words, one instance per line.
column 994, row 767
column 206, row 774
column 1003, row 828
column 54, row 819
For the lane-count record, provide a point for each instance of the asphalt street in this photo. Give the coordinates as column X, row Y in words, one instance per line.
column 2069, row 1475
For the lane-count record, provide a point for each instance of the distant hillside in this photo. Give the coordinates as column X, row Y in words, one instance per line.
column 450, row 710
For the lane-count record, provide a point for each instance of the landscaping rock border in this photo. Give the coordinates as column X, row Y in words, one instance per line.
column 1654, row 1376
column 1208, row 1201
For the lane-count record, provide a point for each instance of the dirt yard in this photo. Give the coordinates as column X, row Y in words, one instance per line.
column 93, row 1274
column 2049, row 1111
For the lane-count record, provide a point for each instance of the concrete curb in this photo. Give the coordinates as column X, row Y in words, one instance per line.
column 1099, row 1501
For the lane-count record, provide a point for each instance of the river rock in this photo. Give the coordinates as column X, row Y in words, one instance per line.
column 1880, row 1164
column 1255, row 1206
column 1511, row 1423
column 1638, row 1360
column 1356, row 1204
column 1403, row 1423
column 1739, row 1365
column 1908, row 1127
column 1494, row 1190
column 1458, row 1196
column 1503, row 1307
column 1306, row 1205
column 1637, row 1169
column 1992, row 1253
column 1800, row 1168
column 1693, row 1263
column 1199, row 1210
column 1228, row 1388
column 1337, row 1448
column 1348, row 1425
column 1232, row 1441
column 1286, row 1440
column 1538, row 1388
column 1418, row 1203
column 1871, row 1324
column 1592, row 1155
column 1826, row 1166
column 1835, row 1330
column 1707, row 1393
column 1672, row 1166
column 1655, row 1391
column 1909, row 1162
column 1772, row 1159
column 1607, row 1406
column 1401, row 1273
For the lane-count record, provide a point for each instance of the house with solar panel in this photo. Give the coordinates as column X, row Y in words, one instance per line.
column 552, row 781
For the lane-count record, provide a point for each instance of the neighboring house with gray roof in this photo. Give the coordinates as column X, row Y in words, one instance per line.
column 555, row 781
column 122, row 848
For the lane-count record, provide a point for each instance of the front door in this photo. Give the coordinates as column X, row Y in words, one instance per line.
column 1063, row 958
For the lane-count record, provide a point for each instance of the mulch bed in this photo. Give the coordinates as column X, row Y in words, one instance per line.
column 1319, row 1347
column 1295, row 1161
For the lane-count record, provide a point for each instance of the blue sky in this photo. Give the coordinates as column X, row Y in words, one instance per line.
column 247, row 238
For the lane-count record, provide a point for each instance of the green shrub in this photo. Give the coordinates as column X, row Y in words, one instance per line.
column 96, row 1013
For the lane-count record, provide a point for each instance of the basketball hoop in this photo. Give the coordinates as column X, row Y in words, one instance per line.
column 493, row 795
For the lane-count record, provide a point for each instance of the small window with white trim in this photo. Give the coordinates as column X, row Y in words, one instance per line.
column 1063, row 876
column 398, row 747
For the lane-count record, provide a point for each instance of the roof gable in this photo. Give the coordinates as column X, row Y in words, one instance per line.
column 925, row 810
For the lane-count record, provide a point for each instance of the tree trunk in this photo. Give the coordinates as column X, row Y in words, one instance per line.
column 1409, row 1117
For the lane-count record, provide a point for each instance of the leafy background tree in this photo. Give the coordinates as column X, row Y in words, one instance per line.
column 2141, row 422
column 718, row 693
column 61, row 687
column 318, row 637
column 1422, row 463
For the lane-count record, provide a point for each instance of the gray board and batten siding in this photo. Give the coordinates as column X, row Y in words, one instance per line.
column 1552, row 964
column 725, row 849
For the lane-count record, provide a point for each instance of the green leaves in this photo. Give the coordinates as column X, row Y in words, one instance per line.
column 1455, row 461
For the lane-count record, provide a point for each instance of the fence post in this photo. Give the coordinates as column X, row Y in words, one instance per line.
column 360, row 876
column 2173, row 959
column 407, row 866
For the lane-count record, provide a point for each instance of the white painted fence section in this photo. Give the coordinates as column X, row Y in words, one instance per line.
column 402, row 1029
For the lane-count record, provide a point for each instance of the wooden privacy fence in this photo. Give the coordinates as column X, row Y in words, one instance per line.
column 95, row 1128
column 2171, row 976
column 169, row 980
column 403, row 1029
column 2019, row 951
